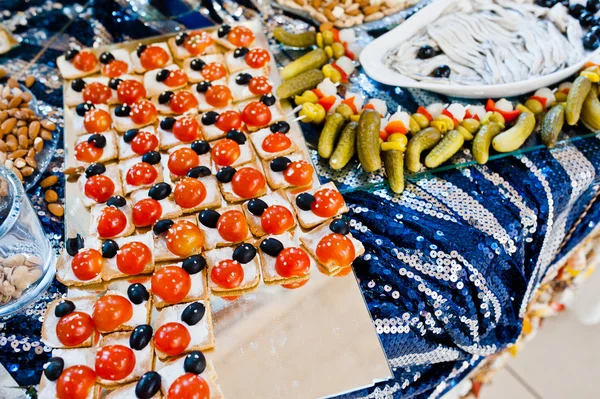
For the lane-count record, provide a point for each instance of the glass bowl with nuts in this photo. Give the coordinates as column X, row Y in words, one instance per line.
column 27, row 259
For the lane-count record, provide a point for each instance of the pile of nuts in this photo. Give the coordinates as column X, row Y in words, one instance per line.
column 17, row 273
column 347, row 13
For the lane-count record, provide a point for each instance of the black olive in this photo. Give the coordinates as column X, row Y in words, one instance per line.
column 53, row 368
column 586, row 18
column 64, row 308
column 210, row 118
column 161, row 226
column 280, row 164
column 193, row 313
column 140, row 337
column 243, row 78
column 167, row 123
column 244, row 253
column 240, row 52
column 202, row 87
column 197, row 64
column 78, row 85
column 83, row 108
column 106, row 57
column 180, row 38
column 280, row 127
column 165, row 97
column 236, row 136
column 160, row 191
column 74, row 244
column 209, row 218
column 425, row 52
column 194, row 264
column 114, row 83
column 137, row 293
column 225, row 174
column 69, row 55
column 148, row 385
column 194, row 362
column 98, row 140
column 593, row 6
column 443, row 71
column 268, row 99
column 223, row 30
column 116, row 200
column 109, row 249
column 162, row 75
column 140, row 49
column 304, row 201
column 591, row 41
column 199, row 171
column 152, row 157
column 271, row 246
column 95, row 169
column 200, row 147
column 130, row 135
column 123, row 110
column 257, row 206
column 339, row 226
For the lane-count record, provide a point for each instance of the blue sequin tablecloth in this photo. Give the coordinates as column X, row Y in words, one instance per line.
column 450, row 265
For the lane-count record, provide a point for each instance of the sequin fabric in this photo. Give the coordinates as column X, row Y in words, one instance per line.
column 450, row 265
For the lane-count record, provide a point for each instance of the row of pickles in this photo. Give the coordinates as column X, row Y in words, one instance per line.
column 378, row 137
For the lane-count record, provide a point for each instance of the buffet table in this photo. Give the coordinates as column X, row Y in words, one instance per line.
column 450, row 265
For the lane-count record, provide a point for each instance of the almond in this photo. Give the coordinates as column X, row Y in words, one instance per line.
column 49, row 181
column 29, row 80
column 48, row 125
column 50, row 196
column 56, row 209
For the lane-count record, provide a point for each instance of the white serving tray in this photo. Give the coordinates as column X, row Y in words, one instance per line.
column 371, row 59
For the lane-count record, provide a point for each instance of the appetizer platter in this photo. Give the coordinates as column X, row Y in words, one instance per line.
column 198, row 232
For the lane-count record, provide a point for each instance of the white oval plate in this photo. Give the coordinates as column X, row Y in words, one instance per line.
column 371, row 59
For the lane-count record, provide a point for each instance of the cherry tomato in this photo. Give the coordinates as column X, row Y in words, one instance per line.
column 226, row 152
column 257, row 58
column 182, row 160
column 189, row 386
column 96, row 93
column 292, row 262
column 276, row 219
column 260, row 85
column 327, row 203
column 256, row 114
column 182, row 102
column 172, row 338
column 87, row 152
column 144, row 142
column 99, row 188
column 74, row 328
column 248, row 182
column 114, row 362
column 130, row 91
column 218, row 96
column 143, row 112
column 171, row 283
column 228, row 274
column 337, row 249
column 75, row 382
column 154, row 57
column 97, row 121
column 240, row 36
column 232, row 226
column 111, row 311
column 85, row 61
column 276, row 142
column 111, row 223
column 189, row 192
column 214, row 71
column 299, row 173
column 115, row 68
column 197, row 42
column 140, row 174
column 133, row 257
column 293, row 286
column 184, row 238
column 229, row 120
column 146, row 212
column 87, row 264
column 176, row 78
column 186, row 129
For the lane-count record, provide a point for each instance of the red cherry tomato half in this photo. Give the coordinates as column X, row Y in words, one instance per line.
column 186, row 129
column 232, row 226
column 85, row 61
column 276, row 142
column 260, row 85
column 87, row 264
column 75, row 382
column 172, row 338
column 197, row 42
column 229, row 120
column 227, row 274
column 115, row 68
column 337, row 249
column 182, row 102
column 299, row 173
column 171, row 283
column 276, row 219
column 218, row 96
column 133, row 257
column 143, row 112
column 144, row 142
column 226, row 152
column 240, row 36
column 130, row 91
column 189, row 192
column 111, row 311
column 257, row 58
column 214, row 71
column 176, row 78
column 256, row 114
column 248, row 182
column 189, row 386
column 111, row 223
column 146, row 212
column 87, row 152
column 154, row 57
column 74, row 328
column 99, row 188
column 184, row 238
column 96, row 93
column 182, row 160
column 97, row 121
column 114, row 362
column 327, row 203
column 140, row 174
column 292, row 262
